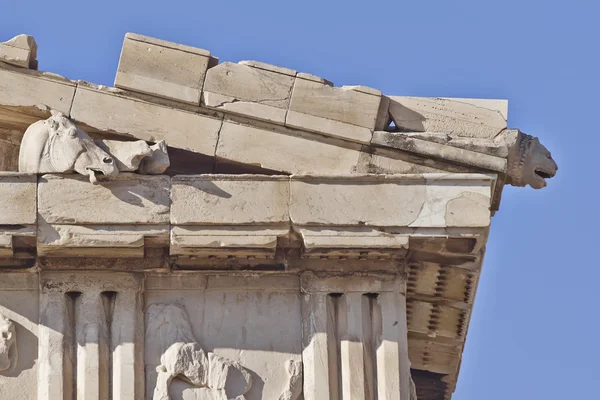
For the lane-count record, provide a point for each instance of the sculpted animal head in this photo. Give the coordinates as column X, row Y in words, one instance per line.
column 57, row 145
column 530, row 163
column 8, row 342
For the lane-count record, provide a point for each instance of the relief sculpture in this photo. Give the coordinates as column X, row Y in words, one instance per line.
column 8, row 344
column 213, row 377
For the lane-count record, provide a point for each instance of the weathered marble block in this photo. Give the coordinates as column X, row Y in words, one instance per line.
column 346, row 240
column 230, row 200
column 128, row 199
column 116, row 218
column 349, row 112
column 17, row 198
column 478, row 118
column 99, row 240
column 161, row 68
column 18, row 213
column 425, row 200
column 244, row 241
column 32, row 95
column 20, row 51
column 103, row 110
column 285, row 151
column 262, row 93
column 241, row 213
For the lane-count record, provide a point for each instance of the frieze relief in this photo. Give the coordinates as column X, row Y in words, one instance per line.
column 211, row 376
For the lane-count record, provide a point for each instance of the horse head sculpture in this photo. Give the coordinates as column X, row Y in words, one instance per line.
column 56, row 145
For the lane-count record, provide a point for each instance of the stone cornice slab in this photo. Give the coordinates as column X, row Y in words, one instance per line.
column 235, row 214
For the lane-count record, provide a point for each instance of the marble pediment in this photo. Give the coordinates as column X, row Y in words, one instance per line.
column 193, row 172
column 255, row 117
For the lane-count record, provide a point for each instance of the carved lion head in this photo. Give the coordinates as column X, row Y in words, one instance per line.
column 530, row 163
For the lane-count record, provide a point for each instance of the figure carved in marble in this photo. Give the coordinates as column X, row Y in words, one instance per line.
column 212, row 376
column 57, row 145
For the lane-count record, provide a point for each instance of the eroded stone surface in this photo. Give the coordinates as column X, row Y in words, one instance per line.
column 128, row 199
column 287, row 152
column 17, row 198
column 105, row 111
column 294, row 385
column 339, row 104
column 247, row 108
column 419, row 201
column 461, row 117
column 98, row 240
column 20, row 51
column 32, row 95
column 169, row 329
column 256, row 308
column 225, row 199
column 244, row 82
column 158, row 162
column 162, row 68
column 330, row 127
column 428, row 145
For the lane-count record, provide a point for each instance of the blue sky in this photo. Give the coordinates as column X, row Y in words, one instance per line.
column 534, row 331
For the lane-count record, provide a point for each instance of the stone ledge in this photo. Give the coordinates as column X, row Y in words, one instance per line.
column 230, row 200
column 98, row 240
column 239, row 240
column 362, row 283
column 249, row 215
column 433, row 203
column 127, row 199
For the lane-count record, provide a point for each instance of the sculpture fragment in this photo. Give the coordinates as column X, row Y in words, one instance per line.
column 8, row 343
column 183, row 358
column 137, row 156
column 57, row 145
column 293, row 387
